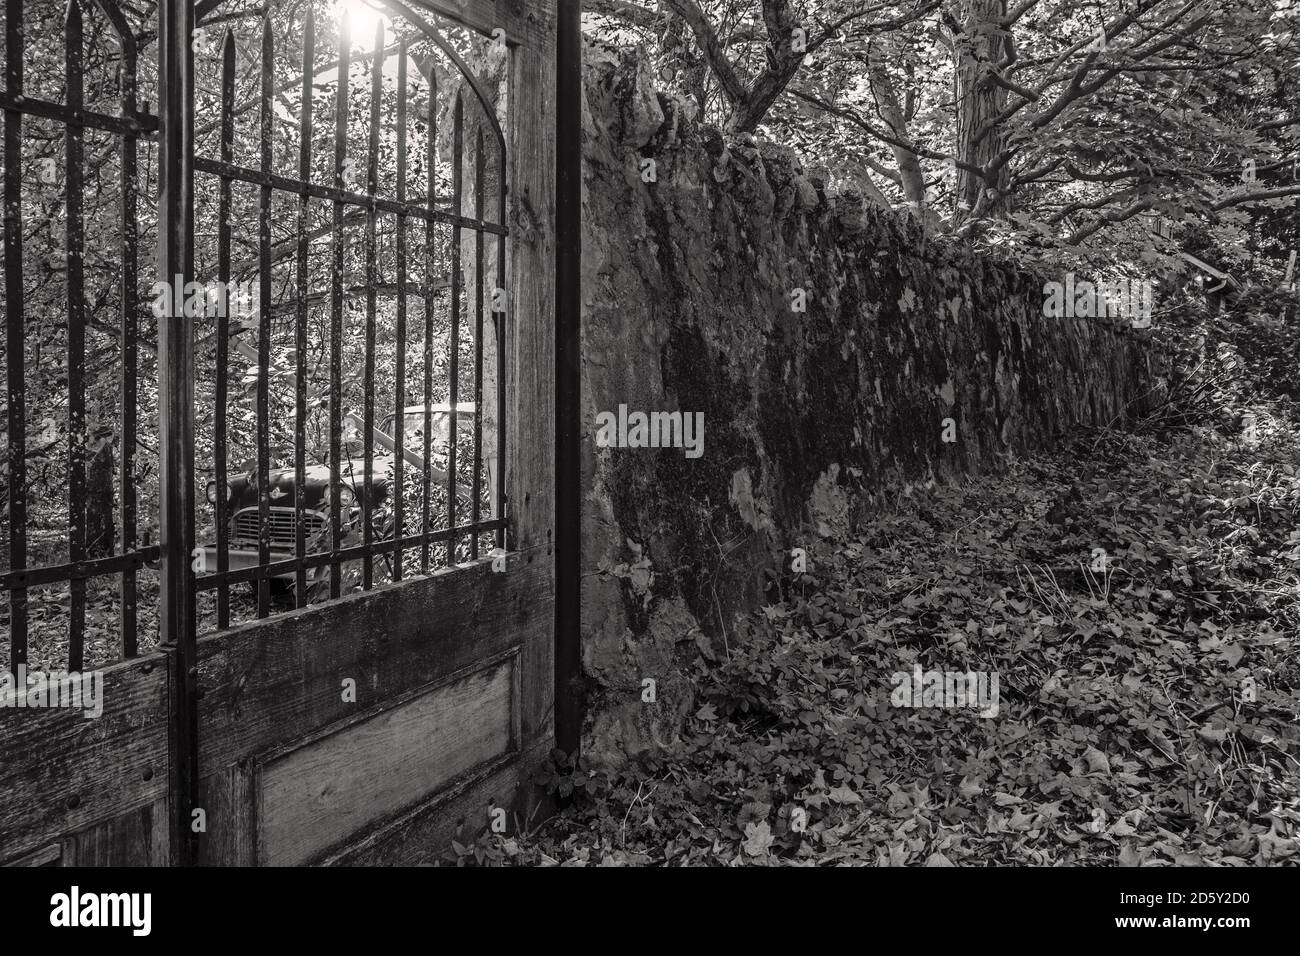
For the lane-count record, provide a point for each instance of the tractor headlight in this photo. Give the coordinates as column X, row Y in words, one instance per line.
column 346, row 496
column 212, row 492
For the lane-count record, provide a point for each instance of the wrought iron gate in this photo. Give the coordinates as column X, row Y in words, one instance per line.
column 373, row 562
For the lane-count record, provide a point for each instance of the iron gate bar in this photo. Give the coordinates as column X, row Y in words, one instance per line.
column 457, row 169
column 130, row 304
column 14, row 294
column 137, row 125
column 309, row 561
column 54, row 573
column 224, row 202
column 479, row 172
column 399, row 393
column 347, row 197
column 300, row 330
column 336, row 294
column 75, row 241
column 368, row 403
column 264, row 325
column 430, row 232
column 503, row 366
column 176, row 426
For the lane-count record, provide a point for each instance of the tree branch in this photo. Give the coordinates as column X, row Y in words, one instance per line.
column 1142, row 205
column 1257, row 196
column 707, row 38
column 871, row 129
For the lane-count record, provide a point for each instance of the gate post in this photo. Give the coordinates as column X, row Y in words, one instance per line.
column 177, row 629
column 568, row 378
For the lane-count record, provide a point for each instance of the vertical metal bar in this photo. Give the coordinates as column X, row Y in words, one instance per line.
column 372, row 189
column 75, row 240
column 568, row 379
column 300, row 331
column 480, row 169
column 399, row 401
column 430, row 244
column 457, row 162
column 176, row 417
column 336, row 300
column 499, row 322
column 264, row 326
column 130, row 352
column 15, row 366
column 221, row 447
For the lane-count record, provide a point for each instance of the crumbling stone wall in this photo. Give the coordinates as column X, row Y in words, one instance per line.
column 694, row 252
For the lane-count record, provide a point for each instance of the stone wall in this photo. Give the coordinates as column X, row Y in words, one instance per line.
column 694, row 253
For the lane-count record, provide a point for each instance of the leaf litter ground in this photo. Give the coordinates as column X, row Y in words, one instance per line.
column 1138, row 596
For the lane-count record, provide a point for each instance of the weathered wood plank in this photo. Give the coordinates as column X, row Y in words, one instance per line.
column 321, row 794
column 270, row 683
column 46, row 856
column 61, row 772
column 229, row 800
column 458, row 813
column 531, row 342
column 136, row 838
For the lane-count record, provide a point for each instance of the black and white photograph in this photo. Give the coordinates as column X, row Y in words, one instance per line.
column 825, row 434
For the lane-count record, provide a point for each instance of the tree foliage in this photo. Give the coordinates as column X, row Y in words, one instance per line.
column 1048, row 127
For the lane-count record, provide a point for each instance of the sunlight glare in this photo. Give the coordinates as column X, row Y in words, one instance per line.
column 362, row 20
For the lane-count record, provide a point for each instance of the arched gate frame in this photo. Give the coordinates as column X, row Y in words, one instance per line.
column 370, row 727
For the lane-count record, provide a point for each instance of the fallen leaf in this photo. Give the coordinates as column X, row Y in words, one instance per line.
column 758, row 837
column 844, row 795
column 1098, row 762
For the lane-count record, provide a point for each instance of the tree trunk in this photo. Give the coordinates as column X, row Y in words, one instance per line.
column 979, row 44
column 911, row 176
